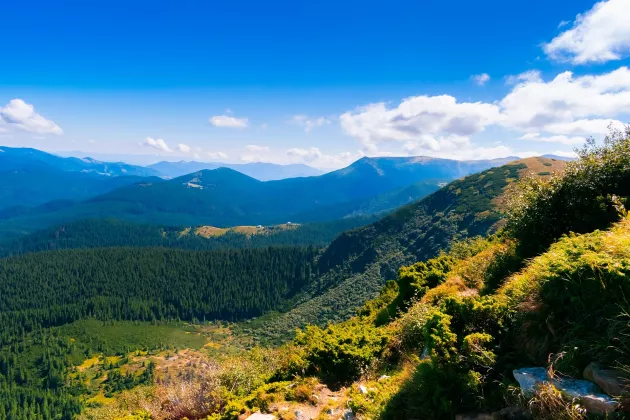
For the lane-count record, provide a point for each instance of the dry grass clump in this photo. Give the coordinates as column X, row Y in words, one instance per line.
column 548, row 404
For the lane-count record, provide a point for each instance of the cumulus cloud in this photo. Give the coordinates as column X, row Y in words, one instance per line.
column 157, row 144
column 256, row 148
column 315, row 157
column 309, row 123
column 480, row 79
column 428, row 121
column 567, row 104
column 560, row 139
column 184, row 148
column 602, row 34
column 528, row 76
column 564, row 110
column 21, row 115
column 256, row 153
column 217, row 155
column 228, row 121
column 307, row 155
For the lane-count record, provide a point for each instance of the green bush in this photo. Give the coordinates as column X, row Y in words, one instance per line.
column 342, row 352
column 581, row 200
column 415, row 280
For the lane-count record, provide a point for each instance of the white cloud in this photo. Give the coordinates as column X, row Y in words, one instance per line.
column 307, row 155
column 256, row 148
column 563, row 110
column 528, row 76
column 184, row 148
column 19, row 114
column 309, row 123
column 602, row 34
column 430, row 122
column 480, row 79
column 228, row 121
column 256, row 153
column 217, row 155
column 563, row 23
column 568, row 105
column 560, row 139
column 315, row 157
column 158, row 144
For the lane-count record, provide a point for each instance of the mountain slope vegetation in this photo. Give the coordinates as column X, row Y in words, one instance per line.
column 100, row 233
column 357, row 264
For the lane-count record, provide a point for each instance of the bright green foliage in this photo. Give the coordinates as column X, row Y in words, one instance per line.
column 580, row 201
column 476, row 352
column 485, row 314
column 342, row 352
column 440, row 340
column 415, row 280
column 575, row 295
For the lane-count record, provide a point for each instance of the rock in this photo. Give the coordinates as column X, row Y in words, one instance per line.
column 362, row 389
column 598, row 403
column 383, row 378
column 260, row 416
column 575, row 388
column 529, row 378
column 298, row 415
column 331, row 411
column 614, row 382
column 588, row 393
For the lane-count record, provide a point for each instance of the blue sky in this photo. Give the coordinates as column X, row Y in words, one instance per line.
column 316, row 82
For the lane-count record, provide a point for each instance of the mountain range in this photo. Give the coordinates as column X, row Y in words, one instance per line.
column 262, row 171
column 225, row 197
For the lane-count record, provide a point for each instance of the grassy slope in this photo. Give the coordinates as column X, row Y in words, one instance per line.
column 357, row 264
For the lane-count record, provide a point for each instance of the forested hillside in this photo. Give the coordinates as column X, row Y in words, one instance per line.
column 95, row 233
column 56, row 287
column 359, row 262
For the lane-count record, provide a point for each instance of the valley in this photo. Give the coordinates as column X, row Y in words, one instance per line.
column 300, row 210
column 130, row 301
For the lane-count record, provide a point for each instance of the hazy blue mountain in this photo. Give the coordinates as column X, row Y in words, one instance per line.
column 29, row 177
column 25, row 159
column 259, row 170
column 225, row 197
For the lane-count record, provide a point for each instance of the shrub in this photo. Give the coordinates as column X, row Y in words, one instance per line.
column 342, row 352
column 542, row 210
column 575, row 295
column 412, row 325
column 415, row 280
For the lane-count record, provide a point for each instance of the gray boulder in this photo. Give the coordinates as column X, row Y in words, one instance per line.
column 614, row 382
column 588, row 393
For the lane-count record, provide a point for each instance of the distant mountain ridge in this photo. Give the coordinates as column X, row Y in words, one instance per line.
column 30, row 177
column 13, row 158
column 260, row 170
column 224, row 197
